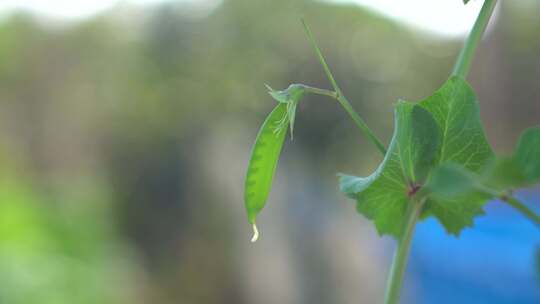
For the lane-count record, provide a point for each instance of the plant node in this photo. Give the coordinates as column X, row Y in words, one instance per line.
column 413, row 189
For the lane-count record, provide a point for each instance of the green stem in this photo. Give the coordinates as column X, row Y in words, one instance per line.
column 466, row 55
column 506, row 197
column 519, row 206
column 341, row 98
column 318, row 91
column 401, row 257
column 360, row 123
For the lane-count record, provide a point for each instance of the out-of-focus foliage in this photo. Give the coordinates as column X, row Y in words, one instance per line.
column 54, row 251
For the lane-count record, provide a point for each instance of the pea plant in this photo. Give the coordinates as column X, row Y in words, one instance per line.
column 437, row 164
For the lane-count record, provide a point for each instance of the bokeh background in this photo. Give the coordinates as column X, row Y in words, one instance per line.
column 125, row 138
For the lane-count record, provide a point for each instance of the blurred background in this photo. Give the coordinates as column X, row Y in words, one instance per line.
column 126, row 128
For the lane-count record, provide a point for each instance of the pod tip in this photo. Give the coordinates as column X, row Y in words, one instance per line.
column 255, row 234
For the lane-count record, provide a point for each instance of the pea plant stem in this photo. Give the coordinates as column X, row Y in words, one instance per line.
column 514, row 203
column 360, row 122
column 461, row 69
column 352, row 113
column 466, row 55
column 318, row 91
column 522, row 208
column 401, row 256
column 341, row 98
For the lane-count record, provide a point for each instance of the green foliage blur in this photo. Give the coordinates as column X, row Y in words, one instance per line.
column 125, row 140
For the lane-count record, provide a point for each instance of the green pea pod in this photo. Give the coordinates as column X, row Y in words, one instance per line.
column 263, row 162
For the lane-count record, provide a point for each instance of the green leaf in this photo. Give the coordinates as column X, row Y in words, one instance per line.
column 418, row 142
column 466, row 1
column 351, row 185
column 527, row 154
column 450, row 181
column 456, row 196
column 505, row 174
column 522, row 168
column 455, row 108
column 383, row 196
column 458, row 213
column 452, row 133
column 263, row 162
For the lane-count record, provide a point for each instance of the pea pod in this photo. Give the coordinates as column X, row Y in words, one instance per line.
column 263, row 162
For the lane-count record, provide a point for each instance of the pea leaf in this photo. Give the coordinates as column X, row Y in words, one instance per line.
column 527, row 154
column 466, row 1
column 456, row 196
column 263, row 162
column 450, row 181
column 455, row 108
column 455, row 134
column 520, row 169
column 384, row 195
column 351, row 185
column 418, row 144
column 504, row 174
